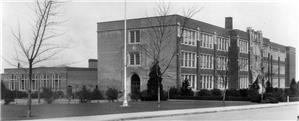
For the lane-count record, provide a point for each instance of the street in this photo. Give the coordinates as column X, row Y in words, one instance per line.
column 275, row 113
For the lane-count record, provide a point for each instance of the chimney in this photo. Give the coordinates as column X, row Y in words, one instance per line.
column 19, row 65
column 229, row 23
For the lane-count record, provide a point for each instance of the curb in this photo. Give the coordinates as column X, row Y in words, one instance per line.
column 210, row 110
column 167, row 113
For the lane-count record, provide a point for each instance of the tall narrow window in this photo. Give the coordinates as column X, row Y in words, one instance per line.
column 135, row 58
column 134, row 36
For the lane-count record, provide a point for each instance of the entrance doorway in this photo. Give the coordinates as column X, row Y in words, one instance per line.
column 135, row 84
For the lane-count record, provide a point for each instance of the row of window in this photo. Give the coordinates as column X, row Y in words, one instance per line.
column 190, row 37
column 35, row 84
column 189, row 59
column 41, row 80
column 207, row 81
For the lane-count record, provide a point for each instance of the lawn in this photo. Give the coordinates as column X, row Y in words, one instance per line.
column 18, row 112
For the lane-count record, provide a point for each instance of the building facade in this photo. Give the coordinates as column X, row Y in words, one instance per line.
column 207, row 55
column 55, row 78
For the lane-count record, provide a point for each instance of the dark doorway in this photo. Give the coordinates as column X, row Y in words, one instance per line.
column 135, row 84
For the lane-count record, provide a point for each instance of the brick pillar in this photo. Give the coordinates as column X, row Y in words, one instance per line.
column 178, row 46
column 198, row 79
column 214, row 61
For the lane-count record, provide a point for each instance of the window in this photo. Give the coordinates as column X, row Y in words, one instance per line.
column 189, row 37
column 23, row 82
column 135, row 37
column 12, row 82
column 222, row 43
column 221, row 81
column 207, row 82
column 134, row 58
column 243, row 46
column 207, row 61
column 244, row 82
column 189, row 59
column 207, row 41
column 222, row 63
column 191, row 78
column 243, row 64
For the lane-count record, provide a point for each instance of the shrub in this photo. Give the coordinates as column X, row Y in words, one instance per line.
column 185, row 89
column 144, row 96
column 243, row 92
column 154, row 81
column 204, row 92
column 253, row 93
column 233, row 93
column 6, row 94
column 293, row 88
column 271, row 98
column 135, row 96
column 96, row 94
column 269, row 87
column 199, row 97
column 112, row 94
column 48, row 95
column 84, row 95
column 173, row 92
column 294, row 98
column 34, row 95
column 216, row 92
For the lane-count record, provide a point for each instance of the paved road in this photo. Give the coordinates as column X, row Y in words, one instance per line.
column 274, row 113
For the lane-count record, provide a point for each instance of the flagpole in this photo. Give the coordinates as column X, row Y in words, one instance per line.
column 125, row 102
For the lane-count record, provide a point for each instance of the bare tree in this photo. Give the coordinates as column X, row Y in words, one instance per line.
column 226, row 69
column 39, row 47
column 160, row 34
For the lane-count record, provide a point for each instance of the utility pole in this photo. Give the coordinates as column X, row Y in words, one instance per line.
column 125, row 102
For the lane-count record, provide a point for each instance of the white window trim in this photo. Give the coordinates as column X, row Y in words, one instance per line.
column 191, row 82
column 129, row 36
column 187, row 59
column 129, row 59
column 206, row 62
column 184, row 34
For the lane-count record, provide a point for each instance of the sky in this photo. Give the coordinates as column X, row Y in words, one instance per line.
column 278, row 20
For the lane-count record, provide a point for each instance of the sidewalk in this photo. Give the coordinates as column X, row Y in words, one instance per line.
column 140, row 115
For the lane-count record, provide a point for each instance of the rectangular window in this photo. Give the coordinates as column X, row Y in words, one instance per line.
column 135, row 58
column 134, row 36
column 191, row 78
column 189, row 59
column 189, row 37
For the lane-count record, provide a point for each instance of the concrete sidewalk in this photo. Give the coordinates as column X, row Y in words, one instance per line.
column 140, row 115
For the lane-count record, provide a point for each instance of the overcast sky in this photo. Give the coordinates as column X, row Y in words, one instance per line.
column 277, row 20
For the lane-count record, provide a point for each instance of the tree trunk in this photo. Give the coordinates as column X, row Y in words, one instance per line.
column 224, row 94
column 29, row 89
column 38, row 95
column 158, row 93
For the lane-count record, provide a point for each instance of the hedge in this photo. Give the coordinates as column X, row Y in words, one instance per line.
column 228, row 98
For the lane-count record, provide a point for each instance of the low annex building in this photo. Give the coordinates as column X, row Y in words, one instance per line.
column 55, row 78
column 203, row 54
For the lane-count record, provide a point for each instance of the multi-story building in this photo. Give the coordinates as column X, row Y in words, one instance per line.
column 207, row 55
column 55, row 78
